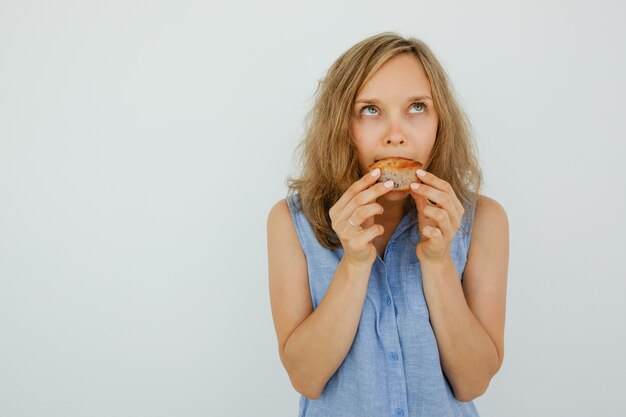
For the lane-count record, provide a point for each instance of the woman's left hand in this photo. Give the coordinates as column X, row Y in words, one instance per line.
column 438, row 219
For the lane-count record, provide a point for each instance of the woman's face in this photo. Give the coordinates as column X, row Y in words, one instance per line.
column 394, row 114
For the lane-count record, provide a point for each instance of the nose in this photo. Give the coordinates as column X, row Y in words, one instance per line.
column 395, row 140
column 395, row 135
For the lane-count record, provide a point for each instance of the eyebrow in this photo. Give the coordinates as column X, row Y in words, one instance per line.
column 376, row 101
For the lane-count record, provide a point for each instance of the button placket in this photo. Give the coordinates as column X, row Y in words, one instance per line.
column 396, row 374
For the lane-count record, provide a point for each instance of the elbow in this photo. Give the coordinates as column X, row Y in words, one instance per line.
column 302, row 382
column 312, row 396
column 471, row 392
column 308, row 392
column 474, row 389
column 306, row 387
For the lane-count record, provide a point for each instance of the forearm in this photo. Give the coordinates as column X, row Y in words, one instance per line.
column 469, row 357
column 318, row 346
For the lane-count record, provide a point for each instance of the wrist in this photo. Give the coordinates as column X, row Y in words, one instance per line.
column 441, row 262
column 356, row 267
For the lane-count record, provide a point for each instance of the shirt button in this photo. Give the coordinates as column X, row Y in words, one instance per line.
column 399, row 412
column 393, row 356
column 388, row 301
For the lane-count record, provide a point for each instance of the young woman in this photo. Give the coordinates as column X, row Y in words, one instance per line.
column 386, row 302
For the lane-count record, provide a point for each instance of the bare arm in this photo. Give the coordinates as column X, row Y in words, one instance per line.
column 468, row 317
column 312, row 343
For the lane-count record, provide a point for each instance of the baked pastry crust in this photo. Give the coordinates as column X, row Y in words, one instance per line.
column 400, row 170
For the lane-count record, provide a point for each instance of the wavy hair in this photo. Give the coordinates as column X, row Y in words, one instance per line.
column 327, row 152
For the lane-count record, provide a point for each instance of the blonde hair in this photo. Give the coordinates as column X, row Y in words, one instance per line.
column 327, row 151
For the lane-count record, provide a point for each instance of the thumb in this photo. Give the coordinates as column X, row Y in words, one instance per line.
column 420, row 201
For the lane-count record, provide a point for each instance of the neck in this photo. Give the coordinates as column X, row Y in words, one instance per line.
column 393, row 210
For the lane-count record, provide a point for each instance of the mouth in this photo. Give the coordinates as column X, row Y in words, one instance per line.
column 394, row 157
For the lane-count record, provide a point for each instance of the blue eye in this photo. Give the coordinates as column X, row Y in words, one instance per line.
column 420, row 107
column 369, row 110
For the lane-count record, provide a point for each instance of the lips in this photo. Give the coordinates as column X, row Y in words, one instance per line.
column 393, row 156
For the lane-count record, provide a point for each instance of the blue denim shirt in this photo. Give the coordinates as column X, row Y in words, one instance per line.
column 393, row 367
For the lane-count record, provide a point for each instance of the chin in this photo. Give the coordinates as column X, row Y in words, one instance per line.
column 395, row 195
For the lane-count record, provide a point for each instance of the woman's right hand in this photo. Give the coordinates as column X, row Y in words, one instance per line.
column 352, row 218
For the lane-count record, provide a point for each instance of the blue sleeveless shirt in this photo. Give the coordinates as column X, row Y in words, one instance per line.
column 393, row 367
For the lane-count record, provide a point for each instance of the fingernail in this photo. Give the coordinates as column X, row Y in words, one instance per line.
column 389, row 184
column 415, row 185
column 375, row 172
column 420, row 172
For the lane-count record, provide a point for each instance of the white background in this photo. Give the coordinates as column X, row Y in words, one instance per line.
column 142, row 144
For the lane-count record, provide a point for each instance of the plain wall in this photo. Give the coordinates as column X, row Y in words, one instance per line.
column 142, row 145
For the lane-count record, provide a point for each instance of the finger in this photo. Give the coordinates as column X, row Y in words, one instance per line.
column 367, row 235
column 433, row 180
column 367, row 196
column 362, row 213
column 362, row 238
column 420, row 201
column 438, row 183
column 442, row 220
column 435, row 196
column 363, row 183
column 432, row 233
column 441, row 199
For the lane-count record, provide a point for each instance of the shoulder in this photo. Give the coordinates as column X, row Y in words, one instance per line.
column 489, row 214
column 279, row 210
column 490, row 229
column 280, row 225
column 489, row 243
column 279, row 217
